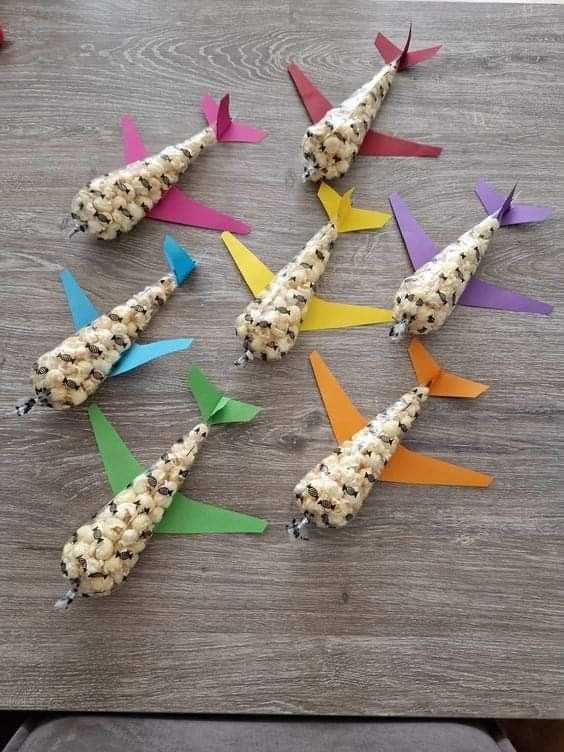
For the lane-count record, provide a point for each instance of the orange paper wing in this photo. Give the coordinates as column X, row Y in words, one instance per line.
column 442, row 383
column 344, row 417
column 411, row 467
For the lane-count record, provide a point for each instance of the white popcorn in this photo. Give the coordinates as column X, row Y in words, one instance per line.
column 330, row 145
column 427, row 297
column 120, row 530
column 70, row 373
column 269, row 326
column 333, row 492
column 114, row 203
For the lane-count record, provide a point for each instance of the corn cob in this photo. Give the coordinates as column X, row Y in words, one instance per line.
column 427, row 297
column 270, row 324
column 104, row 550
column 330, row 145
column 114, row 203
column 333, row 492
column 70, row 373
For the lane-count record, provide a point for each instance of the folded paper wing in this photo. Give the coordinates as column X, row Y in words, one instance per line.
column 83, row 312
column 184, row 515
column 214, row 406
column 175, row 206
column 405, row 466
column 347, row 218
column 420, row 249
column 375, row 144
column 217, row 115
column 322, row 314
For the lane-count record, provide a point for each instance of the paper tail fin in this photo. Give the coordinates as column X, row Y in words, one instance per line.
column 214, row 406
column 441, row 383
column 180, row 263
column 508, row 212
column 405, row 59
column 227, row 129
column 340, row 211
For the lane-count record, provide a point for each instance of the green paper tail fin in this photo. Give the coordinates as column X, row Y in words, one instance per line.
column 214, row 406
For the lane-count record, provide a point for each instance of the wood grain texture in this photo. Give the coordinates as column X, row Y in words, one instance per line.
column 435, row 601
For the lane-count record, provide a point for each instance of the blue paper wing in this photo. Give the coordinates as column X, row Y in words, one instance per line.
column 138, row 355
column 82, row 309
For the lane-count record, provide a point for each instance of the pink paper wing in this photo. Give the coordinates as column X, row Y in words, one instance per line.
column 178, row 208
column 133, row 147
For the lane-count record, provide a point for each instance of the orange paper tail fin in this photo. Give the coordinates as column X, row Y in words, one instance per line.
column 441, row 383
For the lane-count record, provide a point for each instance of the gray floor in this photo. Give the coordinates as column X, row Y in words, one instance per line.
column 434, row 601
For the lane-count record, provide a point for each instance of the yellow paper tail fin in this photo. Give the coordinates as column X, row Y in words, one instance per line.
column 441, row 383
column 340, row 211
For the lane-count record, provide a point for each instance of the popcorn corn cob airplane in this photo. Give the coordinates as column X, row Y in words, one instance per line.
column 284, row 303
column 442, row 279
column 333, row 492
column 339, row 133
column 114, row 203
column 103, row 551
column 104, row 346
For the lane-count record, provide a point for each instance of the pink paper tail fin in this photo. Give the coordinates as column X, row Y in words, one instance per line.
column 227, row 129
column 405, row 59
column 507, row 212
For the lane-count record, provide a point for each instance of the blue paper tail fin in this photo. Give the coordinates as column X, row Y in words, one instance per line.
column 179, row 262
column 508, row 212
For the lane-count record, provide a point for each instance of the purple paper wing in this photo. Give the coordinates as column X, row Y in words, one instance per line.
column 418, row 244
column 479, row 294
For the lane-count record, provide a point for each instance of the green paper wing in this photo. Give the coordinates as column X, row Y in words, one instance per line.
column 214, row 406
column 184, row 515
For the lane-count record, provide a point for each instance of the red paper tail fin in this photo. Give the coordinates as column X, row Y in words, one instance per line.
column 405, row 59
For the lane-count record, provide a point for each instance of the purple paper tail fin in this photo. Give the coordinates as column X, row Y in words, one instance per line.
column 509, row 213
column 405, row 59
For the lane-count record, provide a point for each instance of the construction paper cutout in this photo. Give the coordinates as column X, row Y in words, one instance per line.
column 321, row 314
column 411, row 467
column 343, row 416
column 179, row 262
column 479, row 294
column 347, row 219
column 378, row 144
column 83, row 312
column 214, row 406
column 138, row 355
column 184, row 515
column 390, row 52
column 441, row 383
column 313, row 100
column 517, row 214
column 375, row 144
column 225, row 128
column 175, row 206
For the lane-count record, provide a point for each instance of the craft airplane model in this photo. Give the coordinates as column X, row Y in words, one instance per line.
column 83, row 311
column 321, row 314
column 375, row 144
column 184, row 515
column 405, row 466
column 175, row 206
column 478, row 293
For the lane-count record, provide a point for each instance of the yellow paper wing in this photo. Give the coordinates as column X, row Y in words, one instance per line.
column 323, row 314
column 256, row 274
column 340, row 210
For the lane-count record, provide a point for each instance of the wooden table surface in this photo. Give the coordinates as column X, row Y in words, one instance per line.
column 434, row 601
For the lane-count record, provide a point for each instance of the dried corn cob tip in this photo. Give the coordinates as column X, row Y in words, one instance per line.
column 114, row 203
column 333, row 492
column 427, row 297
column 104, row 550
column 330, row 145
column 269, row 326
column 71, row 372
